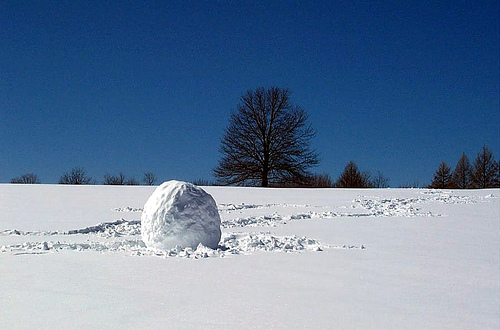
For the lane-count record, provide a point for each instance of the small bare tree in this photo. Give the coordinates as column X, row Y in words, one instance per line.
column 116, row 180
column 442, row 177
column 149, row 179
column 28, row 178
column 366, row 180
column 76, row 176
column 132, row 182
column 380, row 181
column 267, row 141
column 320, row 181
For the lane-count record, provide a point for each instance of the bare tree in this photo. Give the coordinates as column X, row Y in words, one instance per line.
column 366, row 180
column 132, row 182
column 320, row 181
column 442, row 177
column 149, row 179
column 76, row 176
column 28, row 178
column 116, row 180
column 353, row 178
column 267, row 141
column 380, row 181
column 485, row 170
column 462, row 175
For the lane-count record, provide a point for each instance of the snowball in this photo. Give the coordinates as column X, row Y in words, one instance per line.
column 180, row 214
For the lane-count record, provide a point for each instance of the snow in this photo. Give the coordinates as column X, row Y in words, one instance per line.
column 180, row 214
column 73, row 257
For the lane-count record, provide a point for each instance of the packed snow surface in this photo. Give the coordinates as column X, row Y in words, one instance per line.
column 180, row 214
column 74, row 257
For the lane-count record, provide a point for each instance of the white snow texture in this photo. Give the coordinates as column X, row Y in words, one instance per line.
column 180, row 214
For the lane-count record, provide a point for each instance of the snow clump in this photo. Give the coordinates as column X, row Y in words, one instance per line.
column 180, row 214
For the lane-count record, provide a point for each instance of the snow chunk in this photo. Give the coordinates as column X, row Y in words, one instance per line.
column 180, row 214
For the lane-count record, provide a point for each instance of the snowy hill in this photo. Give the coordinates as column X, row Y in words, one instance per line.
column 72, row 257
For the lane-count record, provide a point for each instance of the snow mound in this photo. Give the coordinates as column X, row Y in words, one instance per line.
column 236, row 243
column 242, row 244
column 180, row 214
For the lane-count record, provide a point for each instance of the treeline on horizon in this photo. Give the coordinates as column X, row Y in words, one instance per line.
column 484, row 172
column 267, row 144
column 78, row 176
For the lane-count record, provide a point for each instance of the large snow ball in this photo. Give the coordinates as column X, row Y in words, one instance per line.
column 180, row 214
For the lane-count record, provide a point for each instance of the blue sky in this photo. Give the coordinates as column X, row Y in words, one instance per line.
column 396, row 86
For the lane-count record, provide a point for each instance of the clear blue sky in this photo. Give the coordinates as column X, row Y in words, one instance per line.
column 396, row 86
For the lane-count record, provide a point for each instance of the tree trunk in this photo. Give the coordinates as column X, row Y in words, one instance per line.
column 265, row 181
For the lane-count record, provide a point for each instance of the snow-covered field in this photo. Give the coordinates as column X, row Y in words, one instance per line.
column 72, row 257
